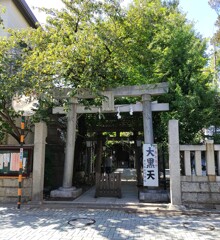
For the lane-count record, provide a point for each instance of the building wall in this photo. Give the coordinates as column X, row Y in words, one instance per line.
column 9, row 189
column 12, row 18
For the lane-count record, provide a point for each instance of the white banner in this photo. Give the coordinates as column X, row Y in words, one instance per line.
column 150, row 165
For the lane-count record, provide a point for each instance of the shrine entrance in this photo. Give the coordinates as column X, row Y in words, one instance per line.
column 119, row 133
column 117, row 140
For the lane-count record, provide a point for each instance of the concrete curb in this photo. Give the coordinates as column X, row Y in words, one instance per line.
column 142, row 208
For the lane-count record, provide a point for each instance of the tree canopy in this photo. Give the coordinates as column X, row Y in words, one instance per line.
column 215, row 4
column 98, row 44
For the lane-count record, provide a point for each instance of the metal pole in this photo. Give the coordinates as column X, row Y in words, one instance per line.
column 21, row 161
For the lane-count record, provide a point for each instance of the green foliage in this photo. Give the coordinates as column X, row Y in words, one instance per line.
column 162, row 46
column 13, row 52
column 10, row 64
column 98, row 44
column 216, row 138
column 73, row 48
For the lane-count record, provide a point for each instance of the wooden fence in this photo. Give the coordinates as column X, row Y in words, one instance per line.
column 108, row 185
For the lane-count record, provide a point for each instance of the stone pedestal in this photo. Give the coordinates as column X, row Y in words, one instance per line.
column 63, row 192
column 153, row 196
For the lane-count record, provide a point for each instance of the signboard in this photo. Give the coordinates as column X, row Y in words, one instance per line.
column 10, row 158
column 150, row 165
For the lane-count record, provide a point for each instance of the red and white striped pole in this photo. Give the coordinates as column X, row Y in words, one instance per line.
column 21, row 162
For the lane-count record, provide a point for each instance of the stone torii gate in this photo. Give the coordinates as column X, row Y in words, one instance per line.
column 146, row 106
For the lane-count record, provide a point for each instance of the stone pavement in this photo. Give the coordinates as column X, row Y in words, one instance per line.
column 129, row 197
column 67, row 222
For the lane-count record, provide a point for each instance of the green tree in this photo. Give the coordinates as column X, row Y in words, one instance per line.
column 13, row 80
column 161, row 45
column 94, row 45
column 72, row 49
column 10, row 65
column 68, row 52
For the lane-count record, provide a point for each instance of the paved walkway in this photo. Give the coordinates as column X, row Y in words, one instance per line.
column 129, row 195
column 43, row 223
column 92, row 218
column 129, row 199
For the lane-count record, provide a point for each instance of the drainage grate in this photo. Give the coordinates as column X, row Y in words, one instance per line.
column 199, row 226
column 81, row 222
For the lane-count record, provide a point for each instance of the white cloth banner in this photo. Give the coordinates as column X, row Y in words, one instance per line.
column 150, row 165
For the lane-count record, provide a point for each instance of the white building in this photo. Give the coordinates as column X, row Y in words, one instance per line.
column 17, row 15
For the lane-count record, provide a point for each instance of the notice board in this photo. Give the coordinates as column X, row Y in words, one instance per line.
column 10, row 158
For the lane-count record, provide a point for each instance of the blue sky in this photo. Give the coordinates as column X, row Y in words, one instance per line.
column 197, row 10
column 203, row 15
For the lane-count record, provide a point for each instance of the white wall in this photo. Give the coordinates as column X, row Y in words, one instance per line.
column 12, row 18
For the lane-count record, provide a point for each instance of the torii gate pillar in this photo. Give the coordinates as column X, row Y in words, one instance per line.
column 70, row 146
column 147, row 119
column 67, row 190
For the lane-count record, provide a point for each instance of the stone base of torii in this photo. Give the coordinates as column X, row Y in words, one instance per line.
column 146, row 106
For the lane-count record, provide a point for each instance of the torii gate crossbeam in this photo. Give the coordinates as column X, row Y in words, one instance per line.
column 145, row 91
